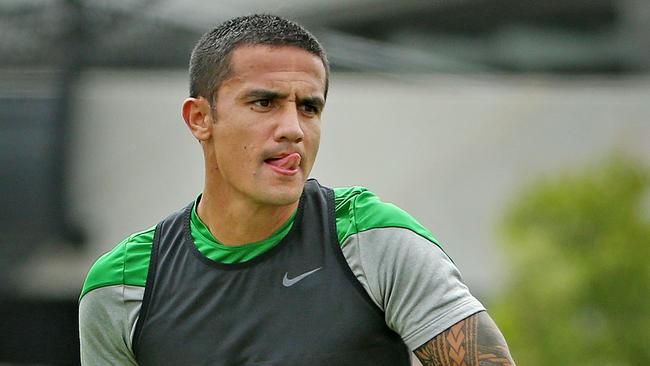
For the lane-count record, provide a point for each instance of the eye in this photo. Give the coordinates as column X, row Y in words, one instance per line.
column 309, row 109
column 264, row 103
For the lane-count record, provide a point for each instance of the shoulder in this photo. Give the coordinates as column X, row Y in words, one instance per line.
column 393, row 256
column 359, row 210
column 126, row 264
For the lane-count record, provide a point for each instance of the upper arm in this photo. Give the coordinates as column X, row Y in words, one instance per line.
column 473, row 341
column 104, row 327
column 402, row 268
column 413, row 281
column 110, row 301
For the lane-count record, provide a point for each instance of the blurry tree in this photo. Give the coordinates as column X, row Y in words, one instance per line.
column 578, row 247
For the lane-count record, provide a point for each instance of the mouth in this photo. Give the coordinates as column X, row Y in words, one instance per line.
column 285, row 164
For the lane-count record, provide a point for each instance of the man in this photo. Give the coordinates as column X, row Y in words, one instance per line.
column 267, row 267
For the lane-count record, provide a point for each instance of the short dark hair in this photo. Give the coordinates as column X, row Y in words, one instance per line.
column 210, row 60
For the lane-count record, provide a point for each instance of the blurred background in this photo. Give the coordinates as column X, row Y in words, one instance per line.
column 517, row 131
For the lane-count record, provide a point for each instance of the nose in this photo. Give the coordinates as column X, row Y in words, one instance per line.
column 288, row 126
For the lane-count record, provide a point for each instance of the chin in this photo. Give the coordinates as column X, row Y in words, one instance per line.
column 283, row 195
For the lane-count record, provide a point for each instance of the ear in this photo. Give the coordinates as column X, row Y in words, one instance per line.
column 197, row 116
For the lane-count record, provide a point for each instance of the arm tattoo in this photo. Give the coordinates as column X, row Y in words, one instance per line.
column 474, row 341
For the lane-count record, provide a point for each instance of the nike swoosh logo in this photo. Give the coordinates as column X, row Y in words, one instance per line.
column 287, row 282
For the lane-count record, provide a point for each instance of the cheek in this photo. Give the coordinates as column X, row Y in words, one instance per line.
column 312, row 137
column 247, row 156
column 235, row 143
column 232, row 154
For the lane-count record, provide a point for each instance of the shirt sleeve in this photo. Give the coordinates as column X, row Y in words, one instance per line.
column 412, row 280
column 106, row 319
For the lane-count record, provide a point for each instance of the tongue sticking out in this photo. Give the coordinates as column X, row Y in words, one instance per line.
column 289, row 162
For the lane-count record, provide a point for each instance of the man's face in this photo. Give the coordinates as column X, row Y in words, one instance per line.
column 266, row 129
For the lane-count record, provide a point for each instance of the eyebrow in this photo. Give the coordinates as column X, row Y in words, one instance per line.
column 317, row 102
column 263, row 94
column 275, row 95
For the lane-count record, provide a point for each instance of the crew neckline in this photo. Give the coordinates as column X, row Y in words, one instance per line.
column 212, row 248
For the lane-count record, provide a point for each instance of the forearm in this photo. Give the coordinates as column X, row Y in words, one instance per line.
column 474, row 341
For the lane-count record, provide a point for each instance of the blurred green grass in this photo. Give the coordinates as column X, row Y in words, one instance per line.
column 578, row 251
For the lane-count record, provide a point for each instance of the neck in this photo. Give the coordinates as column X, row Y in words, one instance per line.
column 236, row 222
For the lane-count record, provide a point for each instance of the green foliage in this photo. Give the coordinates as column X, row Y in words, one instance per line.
column 579, row 250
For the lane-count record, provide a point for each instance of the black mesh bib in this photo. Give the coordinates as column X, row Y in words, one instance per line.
column 297, row 304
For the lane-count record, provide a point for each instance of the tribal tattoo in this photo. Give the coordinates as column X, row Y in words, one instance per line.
column 474, row 341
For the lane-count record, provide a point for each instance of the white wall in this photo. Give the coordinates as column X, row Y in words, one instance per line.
column 450, row 150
